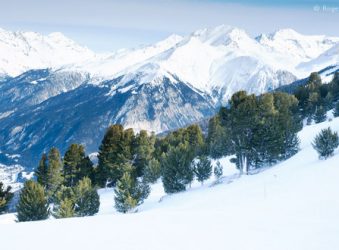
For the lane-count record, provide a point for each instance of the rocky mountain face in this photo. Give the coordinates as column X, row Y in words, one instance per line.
column 54, row 92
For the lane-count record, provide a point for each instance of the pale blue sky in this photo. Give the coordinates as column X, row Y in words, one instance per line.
column 106, row 25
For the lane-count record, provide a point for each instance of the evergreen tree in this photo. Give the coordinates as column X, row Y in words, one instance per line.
column 54, row 173
column 64, row 203
column 144, row 149
column 5, row 197
column 203, row 169
column 42, row 170
column 320, row 115
column 336, row 110
column 218, row 171
column 114, row 152
column 129, row 193
column 242, row 121
column 74, row 156
column 193, row 135
column 65, row 209
column 325, row 143
column 218, row 138
column 177, row 168
column 87, row 200
column 262, row 129
column 86, row 169
column 152, row 171
column 32, row 203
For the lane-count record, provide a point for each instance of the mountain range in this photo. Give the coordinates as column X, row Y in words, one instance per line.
column 54, row 92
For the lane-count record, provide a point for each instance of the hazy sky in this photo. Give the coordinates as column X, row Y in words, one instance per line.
column 106, row 25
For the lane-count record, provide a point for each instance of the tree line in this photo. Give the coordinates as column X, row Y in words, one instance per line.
column 258, row 131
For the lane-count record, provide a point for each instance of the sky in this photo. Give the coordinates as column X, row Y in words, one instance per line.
column 108, row 25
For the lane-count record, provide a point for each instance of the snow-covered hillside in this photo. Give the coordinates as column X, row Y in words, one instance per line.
column 293, row 205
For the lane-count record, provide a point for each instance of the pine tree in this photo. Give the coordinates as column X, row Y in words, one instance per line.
column 74, row 155
column 86, row 169
column 144, row 149
column 218, row 171
column 54, row 173
column 65, row 209
column 64, row 203
column 152, row 171
column 114, row 152
column 325, row 143
column 32, row 203
column 218, row 139
column 336, row 110
column 129, row 193
column 87, row 200
column 42, row 170
column 5, row 197
column 320, row 115
column 203, row 169
column 193, row 135
column 177, row 168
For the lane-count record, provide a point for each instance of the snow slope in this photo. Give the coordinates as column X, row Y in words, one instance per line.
column 293, row 205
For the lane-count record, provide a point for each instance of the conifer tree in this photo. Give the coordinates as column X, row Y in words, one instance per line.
column 177, row 168
column 325, row 143
column 87, row 200
column 65, row 209
column 64, row 203
column 32, row 203
column 54, row 173
column 262, row 129
column 203, row 169
column 218, row 139
column 193, row 135
column 5, row 197
column 42, row 170
column 74, row 155
column 86, row 169
column 114, row 152
column 218, row 171
column 320, row 114
column 152, row 171
column 144, row 149
column 129, row 193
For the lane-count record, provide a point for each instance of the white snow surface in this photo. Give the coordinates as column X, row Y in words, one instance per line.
column 22, row 51
column 293, row 205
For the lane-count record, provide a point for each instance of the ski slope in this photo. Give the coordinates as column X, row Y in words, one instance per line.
column 293, row 206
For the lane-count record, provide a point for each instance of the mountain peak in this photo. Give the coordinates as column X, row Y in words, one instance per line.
column 285, row 33
column 220, row 35
column 22, row 50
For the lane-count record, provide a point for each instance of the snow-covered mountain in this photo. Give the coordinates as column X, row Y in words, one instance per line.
column 22, row 51
column 293, row 205
column 221, row 60
column 54, row 92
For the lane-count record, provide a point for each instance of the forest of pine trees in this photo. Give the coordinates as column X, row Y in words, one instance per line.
column 258, row 131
